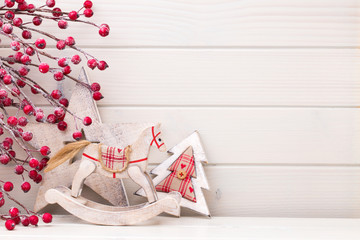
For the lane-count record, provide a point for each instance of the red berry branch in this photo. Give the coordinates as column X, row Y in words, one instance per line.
column 15, row 78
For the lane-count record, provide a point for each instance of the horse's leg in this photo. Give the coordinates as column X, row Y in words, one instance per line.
column 139, row 177
column 153, row 189
column 86, row 168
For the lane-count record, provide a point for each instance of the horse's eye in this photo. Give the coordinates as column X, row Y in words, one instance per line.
column 159, row 139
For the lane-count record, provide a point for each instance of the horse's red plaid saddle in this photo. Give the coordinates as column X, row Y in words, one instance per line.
column 114, row 159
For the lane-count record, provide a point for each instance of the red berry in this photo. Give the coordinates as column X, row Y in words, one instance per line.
column 3, row 93
column 88, row 4
column 57, row 12
column 25, row 59
column 56, row 94
column 11, row 142
column 70, row 41
column 97, row 96
column 27, row 136
column 9, row 3
column 6, row 145
column 45, row 150
column 59, row 112
column 62, row 62
column 28, row 109
column 73, row 15
column 88, row 12
column 30, row 51
column 62, row 24
column 38, row 179
column 22, row 121
column 13, row 212
column 40, row 43
column 35, row 89
column 95, row 87
column 76, row 59
column 31, row 8
column 62, row 126
column 7, row 102
column 15, row 91
column 2, row 202
column 51, row 118
column 33, row 163
column 44, row 67
column 33, row 174
column 15, row 45
column 47, row 218
column 33, row 220
column 9, row 15
column 17, row 22
column 37, row 21
column 4, row 159
column 50, row 3
column 26, row 34
column 10, row 224
column 7, row 28
column 7, row 79
column 20, row 83
column 8, row 186
column 64, row 102
column 23, row 71
column 25, row 186
column 19, row 169
column 22, row 6
column 92, row 63
column 12, row 121
column 60, row 44
column 25, row 221
column 58, row 76
column 104, row 31
column 18, row 56
column 87, row 121
column 39, row 116
column 102, row 65
column 66, row 70
column 11, row 59
column 77, row 135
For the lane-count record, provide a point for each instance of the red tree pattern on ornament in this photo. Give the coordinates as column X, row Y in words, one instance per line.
column 182, row 170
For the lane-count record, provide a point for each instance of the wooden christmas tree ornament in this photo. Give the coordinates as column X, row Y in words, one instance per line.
column 183, row 172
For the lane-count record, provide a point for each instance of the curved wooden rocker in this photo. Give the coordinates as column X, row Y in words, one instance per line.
column 110, row 215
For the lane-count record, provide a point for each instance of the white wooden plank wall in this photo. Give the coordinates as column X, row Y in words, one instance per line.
column 272, row 86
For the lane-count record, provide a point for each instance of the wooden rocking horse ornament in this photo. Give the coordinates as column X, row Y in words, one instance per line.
column 129, row 162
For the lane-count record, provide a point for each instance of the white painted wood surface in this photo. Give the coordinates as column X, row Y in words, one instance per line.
column 68, row 227
column 273, row 86
column 226, row 77
column 209, row 23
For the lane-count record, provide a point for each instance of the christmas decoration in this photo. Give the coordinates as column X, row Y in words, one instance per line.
column 183, row 172
column 128, row 161
column 17, row 18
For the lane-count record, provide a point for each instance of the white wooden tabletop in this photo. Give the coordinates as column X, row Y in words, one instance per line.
column 69, row 227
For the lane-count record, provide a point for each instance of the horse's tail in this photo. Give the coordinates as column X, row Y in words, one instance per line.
column 66, row 153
